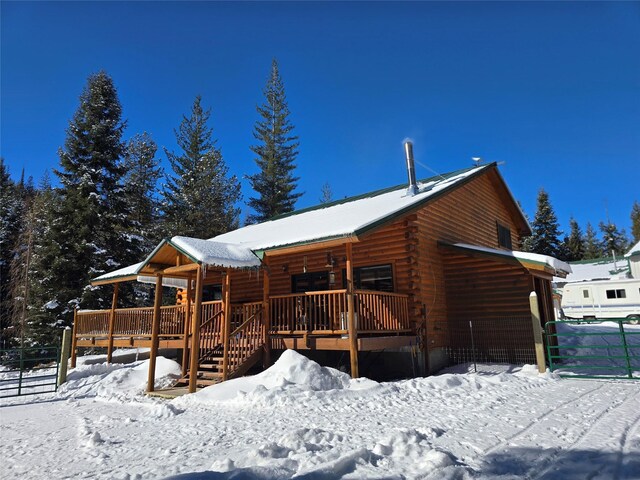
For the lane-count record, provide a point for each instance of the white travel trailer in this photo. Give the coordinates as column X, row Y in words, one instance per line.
column 602, row 299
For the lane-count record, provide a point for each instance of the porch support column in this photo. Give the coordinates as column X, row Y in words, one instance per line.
column 187, row 324
column 266, row 320
column 195, row 333
column 155, row 330
column 112, row 321
column 226, row 309
column 353, row 332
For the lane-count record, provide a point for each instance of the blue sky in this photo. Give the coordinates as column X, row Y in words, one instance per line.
column 551, row 89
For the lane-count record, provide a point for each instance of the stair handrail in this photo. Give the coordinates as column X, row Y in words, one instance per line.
column 244, row 324
column 211, row 319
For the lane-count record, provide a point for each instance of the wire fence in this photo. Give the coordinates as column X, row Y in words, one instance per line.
column 504, row 340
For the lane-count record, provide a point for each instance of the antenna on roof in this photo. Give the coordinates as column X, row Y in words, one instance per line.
column 476, row 161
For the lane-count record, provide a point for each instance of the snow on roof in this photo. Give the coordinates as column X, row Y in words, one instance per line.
column 558, row 265
column 635, row 250
column 166, row 281
column 597, row 269
column 341, row 219
column 216, row 253
column 121, row 272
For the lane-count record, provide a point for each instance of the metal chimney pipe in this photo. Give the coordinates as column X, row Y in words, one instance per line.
column 411, row 169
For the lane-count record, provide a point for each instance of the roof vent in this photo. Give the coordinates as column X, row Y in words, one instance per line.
column 411, row 169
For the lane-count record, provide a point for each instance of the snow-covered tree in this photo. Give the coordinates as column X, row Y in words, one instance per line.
column 35, row 284
column 592, row 246
column 614, row 241
column 11, row 206
column 200, row 196
column 574, row 243
column 545, row 238
column 89, row 233
column 141, row 179
column 276, row 152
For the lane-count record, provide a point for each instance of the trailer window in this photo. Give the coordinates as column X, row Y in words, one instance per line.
column 585, row 293
column 620, row 293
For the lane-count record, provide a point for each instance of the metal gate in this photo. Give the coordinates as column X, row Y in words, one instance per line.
column 28, row 371
column 599, row 348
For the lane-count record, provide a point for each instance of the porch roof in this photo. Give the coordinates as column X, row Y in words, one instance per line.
column 528, row 260
column 204, row 252
column 344, row 219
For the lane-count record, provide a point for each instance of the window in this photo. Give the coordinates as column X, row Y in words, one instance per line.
column 585, row 293
column 211, row 292
column 504, row 236
column 620, row 293
column 309, row 282
column 377, row 277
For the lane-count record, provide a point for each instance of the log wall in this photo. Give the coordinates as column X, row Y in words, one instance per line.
column 469, row 215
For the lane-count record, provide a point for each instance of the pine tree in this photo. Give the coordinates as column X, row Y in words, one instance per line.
column 200, row 197
column 10, row 213
column 614, row 241
column 635, row 222
column 592, row 246
column 575, row 242
column 34, row 284
column 326, row 193
column 141, row 179
column 88, row 235
column 276, row 152
column 546, row 232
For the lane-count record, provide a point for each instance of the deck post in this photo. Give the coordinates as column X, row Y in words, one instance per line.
column 226, row 308
column 265, row 314
column 187, row 324
column 353, row 332
column 195, row 333
column 537, row 332
column 74, row 339
column 155, row 330
column 112, row 322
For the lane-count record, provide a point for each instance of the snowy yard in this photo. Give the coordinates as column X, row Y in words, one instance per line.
column 298, row 419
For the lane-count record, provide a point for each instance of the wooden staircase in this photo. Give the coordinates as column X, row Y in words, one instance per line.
column 244, row 345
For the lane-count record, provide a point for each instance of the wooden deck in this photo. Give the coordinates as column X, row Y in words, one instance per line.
column 223, row 340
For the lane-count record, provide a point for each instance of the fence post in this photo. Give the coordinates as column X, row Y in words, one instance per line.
column 64, row 356
column 626, row 349
column 537, row 332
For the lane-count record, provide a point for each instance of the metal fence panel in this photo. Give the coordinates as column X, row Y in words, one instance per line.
column 600, row 348
column 28, row 371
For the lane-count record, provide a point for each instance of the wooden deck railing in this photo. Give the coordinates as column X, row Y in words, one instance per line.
column 320, row 312
column 137, row 322
column 325, row 311
column 381, row 311
column 310, row 311
column 92, row 322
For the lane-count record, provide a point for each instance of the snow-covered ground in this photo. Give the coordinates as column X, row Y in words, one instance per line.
column 298, row 419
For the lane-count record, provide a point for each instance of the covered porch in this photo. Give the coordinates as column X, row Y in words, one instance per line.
column 220, row 339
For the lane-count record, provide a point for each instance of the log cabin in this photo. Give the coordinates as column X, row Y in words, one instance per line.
column 430, row 267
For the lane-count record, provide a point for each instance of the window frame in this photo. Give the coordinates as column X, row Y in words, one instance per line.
column 504, row 236
column 357, row 277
